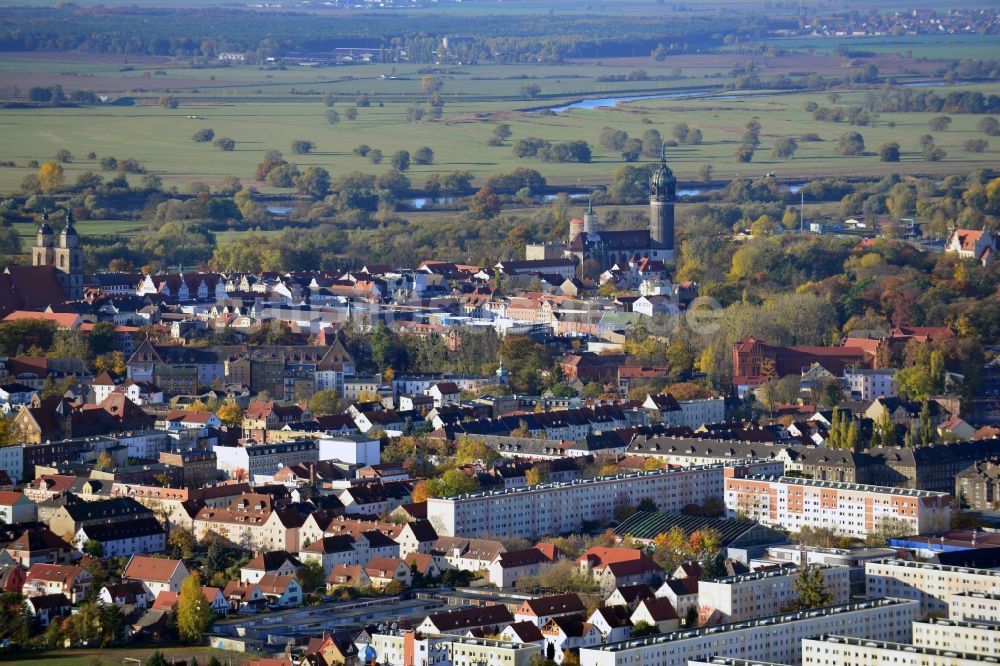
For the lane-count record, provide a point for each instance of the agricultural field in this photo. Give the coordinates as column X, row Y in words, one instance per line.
column 162, row 138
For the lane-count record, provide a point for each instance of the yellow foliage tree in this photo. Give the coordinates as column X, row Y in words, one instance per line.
column 193, row 611
column 50, row 177
column 231, row 415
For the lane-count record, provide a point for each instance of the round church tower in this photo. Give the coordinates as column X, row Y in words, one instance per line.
column 662, row 197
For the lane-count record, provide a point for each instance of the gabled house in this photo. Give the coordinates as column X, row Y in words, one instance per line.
column 566, row 634
column 128, row 593
column 539, row 611
column 613, row 622
column 71, row 581
column 490, row 618
column 681, row 593
column 615, row 567
column 282, row 590
column 330, row 551
column 382, row 571
column 629, row 595
column 658, row 612
column 156, row 574
column 243, row 597
column 511, row 566
column 344, row 575
column 47, row 607
column 270, row 562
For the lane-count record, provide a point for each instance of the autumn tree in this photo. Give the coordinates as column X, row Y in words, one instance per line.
column 104, row 462
column 231, row 415
column 194, row 614
column 182, row 541
column 485, row 204
column 472, row 451
column 50, row 177
column 324, row 402
column 451, row 483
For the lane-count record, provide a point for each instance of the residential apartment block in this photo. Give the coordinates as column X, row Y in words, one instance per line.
column 777, row 638
column 557, row 508
column 265, row 459
column 839, row 650
column 408, row 647
column 930, row 584
column 849, row 509
column 764, row 593
column 975, row 606
column 978, row 637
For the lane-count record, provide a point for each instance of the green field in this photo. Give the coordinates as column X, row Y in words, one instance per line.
column 161, row 138
column 92, row 657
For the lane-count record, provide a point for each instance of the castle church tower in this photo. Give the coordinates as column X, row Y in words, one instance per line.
column 69, row 260
column 43, row 252
column 662, row 197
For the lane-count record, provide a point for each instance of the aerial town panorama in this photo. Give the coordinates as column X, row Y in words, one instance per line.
column 499, row 333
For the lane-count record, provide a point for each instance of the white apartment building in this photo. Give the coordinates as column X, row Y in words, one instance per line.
column 264, row 459
column 938, row 633
column 849, row 509
column 975, row 606
column 699, row 412
column 557, row 508
column 354, row 449
column 930, row 584
column 765, row 593
column 12, row 462
column 840, row 650
column 777, row 638
column 406, row 647
column 865, row 384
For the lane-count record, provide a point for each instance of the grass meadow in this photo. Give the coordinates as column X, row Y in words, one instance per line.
column 161, row 138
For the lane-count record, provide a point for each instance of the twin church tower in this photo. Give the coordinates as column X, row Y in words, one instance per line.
column 66, row 257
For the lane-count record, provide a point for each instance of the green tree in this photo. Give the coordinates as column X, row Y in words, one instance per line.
column 225, row 143
column 303, row 147
column 643, row 628
column 851, row 144
column 810, row 585
column 400, row 160
column 203, row 135
column 314, row 181
column 451, row 483
column 101, row 339
column 784, row 148
column 886, row 429
column 423, row 155
column 194, row 614
column 311, row 576
column 324, row 402
column 157, row 659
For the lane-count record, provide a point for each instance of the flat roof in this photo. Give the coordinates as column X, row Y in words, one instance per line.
column 747, row 624
column 964, row 624
column 556, row 485
column 930, row 566
column 888, row 490
column 905, row 647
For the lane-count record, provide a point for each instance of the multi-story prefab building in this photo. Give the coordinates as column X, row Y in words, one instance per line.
column 978, row 637
column 930, row 584
column 557, row 508
column 975, row 606
column 777, row 638
column 840, row 650
column 849, row 509
column 765, row 593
